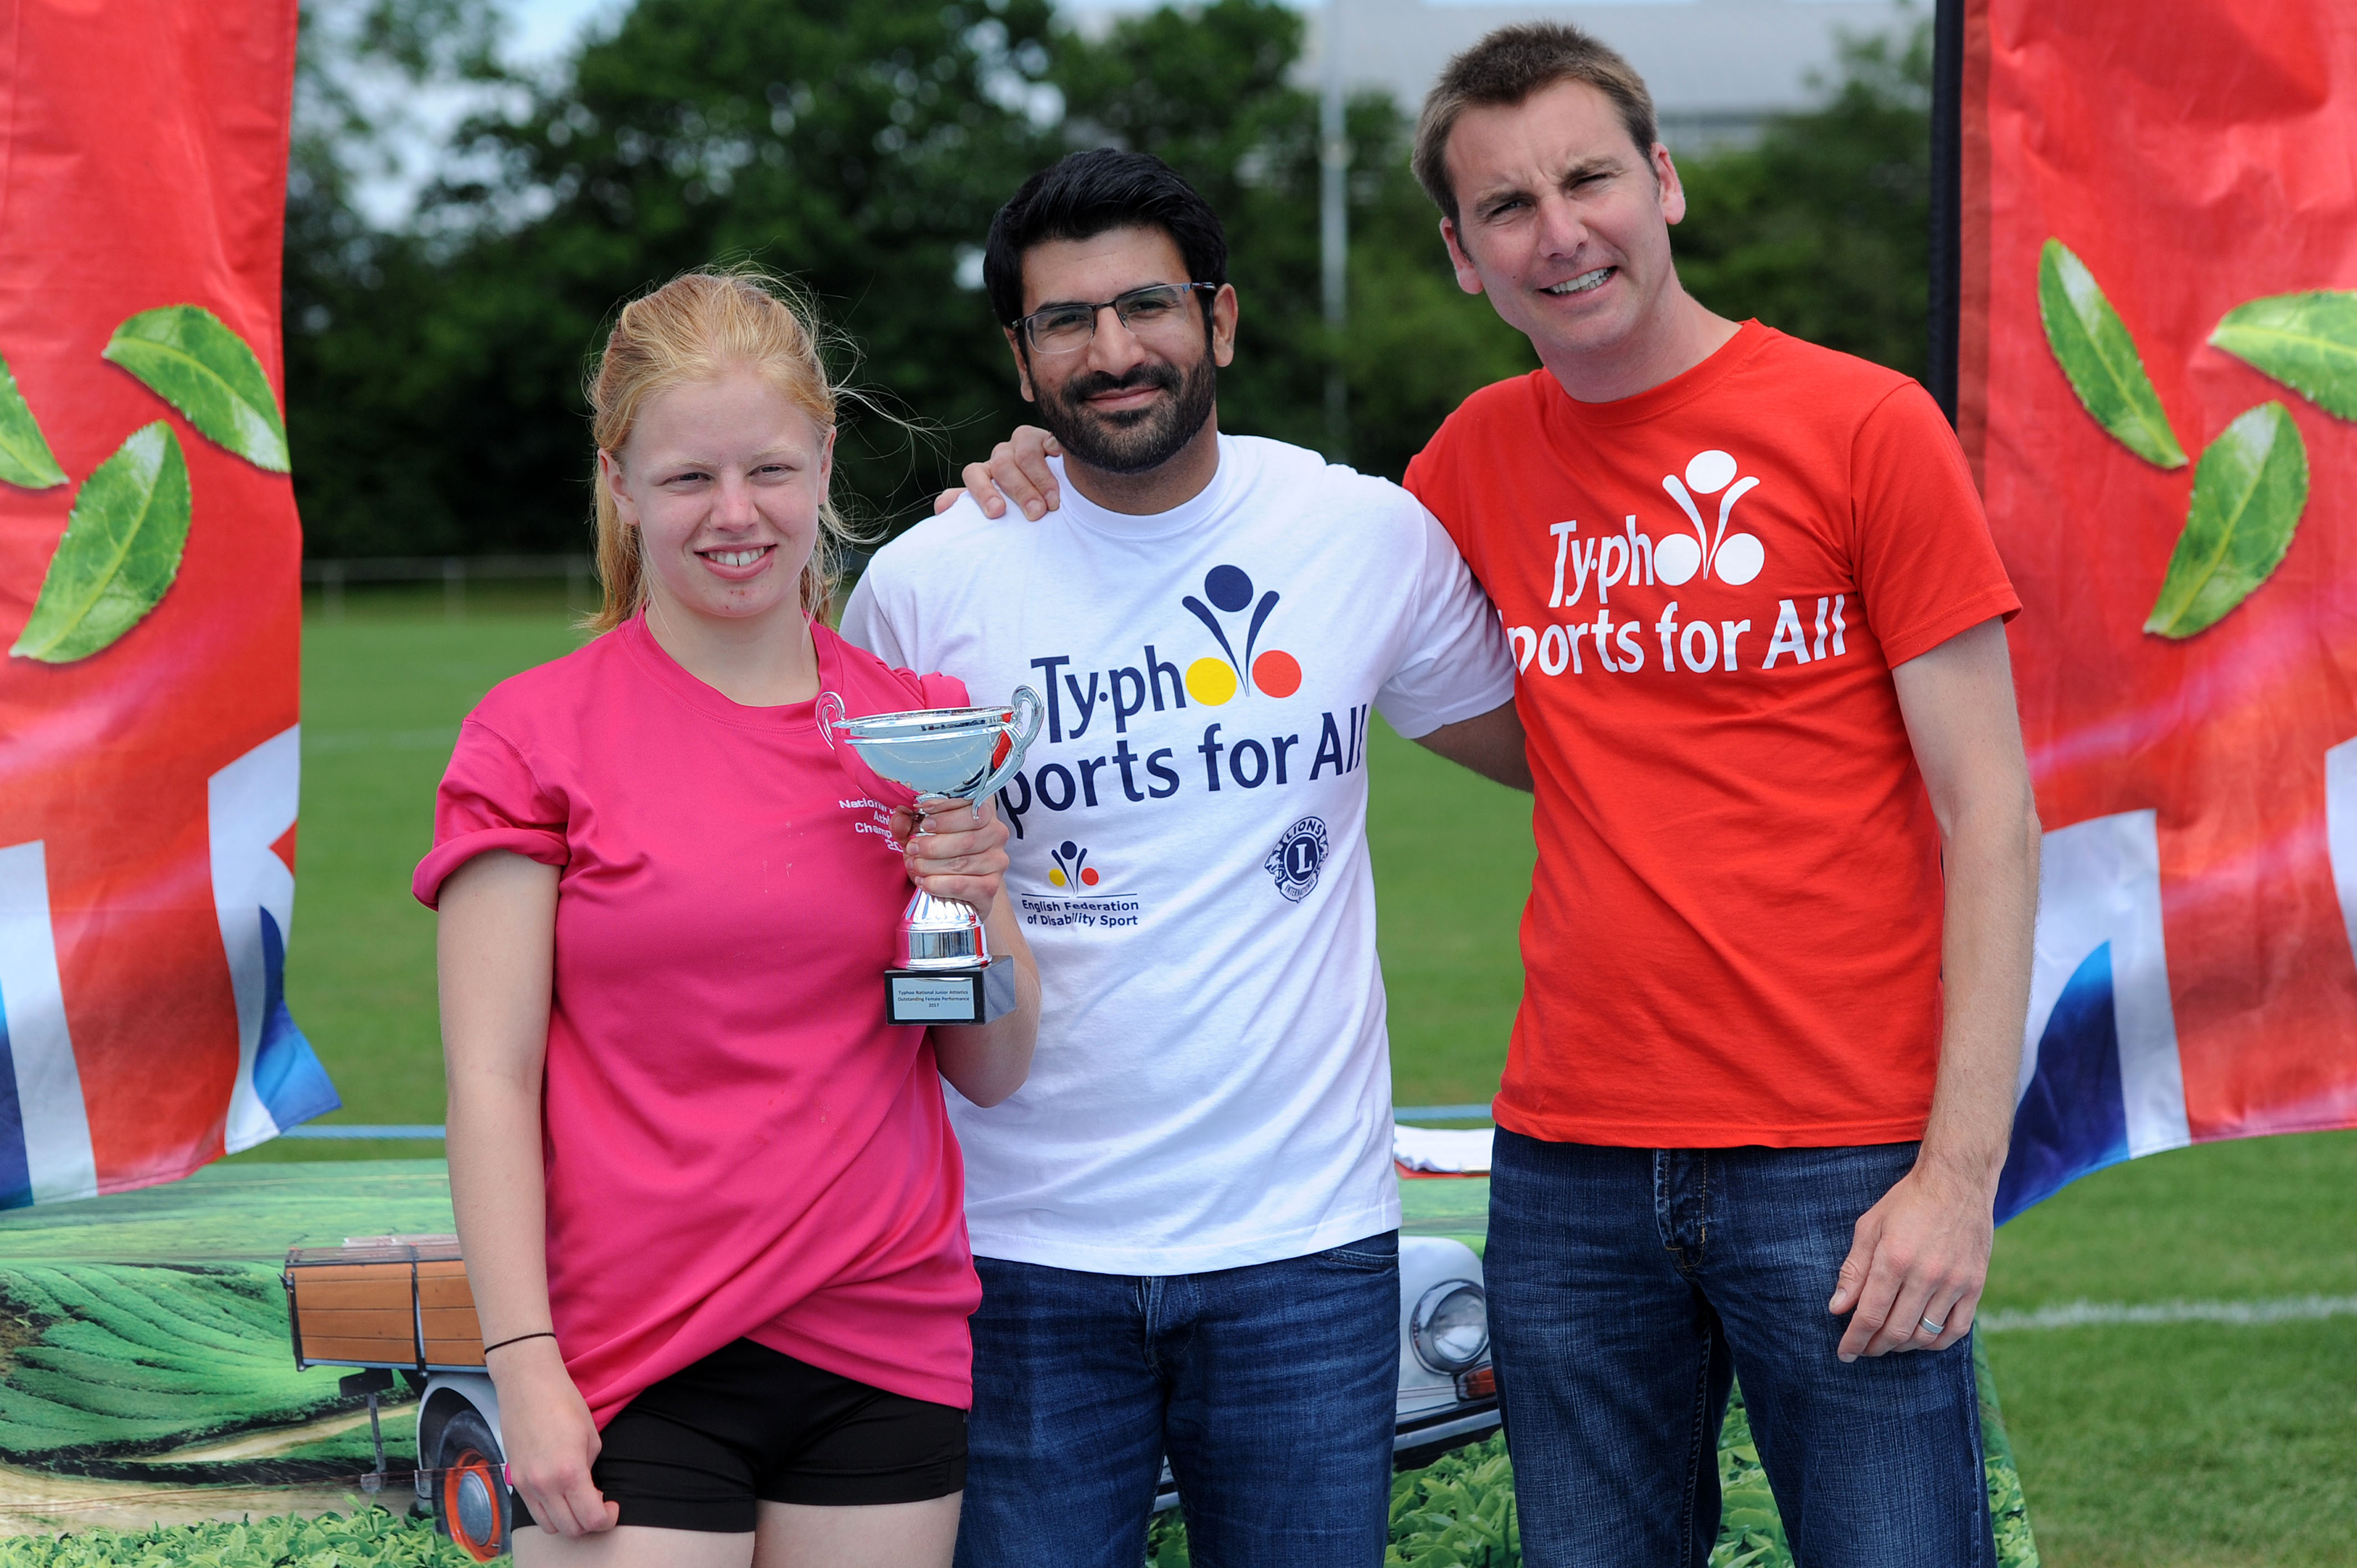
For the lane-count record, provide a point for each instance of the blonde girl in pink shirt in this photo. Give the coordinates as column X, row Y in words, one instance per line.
column 711, row 1204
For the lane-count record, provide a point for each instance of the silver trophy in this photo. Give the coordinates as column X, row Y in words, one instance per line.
column 944, row 973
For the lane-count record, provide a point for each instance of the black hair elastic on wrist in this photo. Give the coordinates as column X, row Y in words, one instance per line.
column 542, row 1334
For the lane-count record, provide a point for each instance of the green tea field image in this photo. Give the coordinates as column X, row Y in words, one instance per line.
column 146, row 1370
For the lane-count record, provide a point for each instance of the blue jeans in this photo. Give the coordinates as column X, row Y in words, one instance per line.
column 1628, row 1286
column 1272, row 1387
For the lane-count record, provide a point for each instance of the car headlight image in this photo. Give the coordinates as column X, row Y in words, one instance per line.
column 1450, row 1329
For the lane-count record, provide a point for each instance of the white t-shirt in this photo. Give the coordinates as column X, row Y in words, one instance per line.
column 1213, row 1083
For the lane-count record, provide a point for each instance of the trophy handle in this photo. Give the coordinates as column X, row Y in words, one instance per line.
column 1028, row 713
column 830, row 714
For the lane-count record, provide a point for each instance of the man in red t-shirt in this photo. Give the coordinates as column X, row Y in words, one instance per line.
column 1745, row 1129
column 1778, row 941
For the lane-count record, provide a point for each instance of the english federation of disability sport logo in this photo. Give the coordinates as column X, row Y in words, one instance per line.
column 1213, row 681
column 1071, row 866
column 1298, row 858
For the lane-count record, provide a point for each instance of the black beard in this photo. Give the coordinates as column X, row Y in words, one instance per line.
column 1135, row 441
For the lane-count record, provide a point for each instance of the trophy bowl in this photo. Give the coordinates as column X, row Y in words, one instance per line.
column 943, row 971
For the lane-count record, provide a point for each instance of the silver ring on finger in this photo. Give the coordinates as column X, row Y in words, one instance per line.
column 1933, row 1330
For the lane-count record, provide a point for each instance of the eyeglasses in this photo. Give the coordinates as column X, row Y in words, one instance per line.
column 1066, row 328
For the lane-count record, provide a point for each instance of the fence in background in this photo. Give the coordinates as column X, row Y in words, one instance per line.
column 453, row 571
column 374, row 1130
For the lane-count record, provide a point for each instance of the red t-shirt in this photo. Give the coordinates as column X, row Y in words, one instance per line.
column 1733, row 934
column 737, row 1143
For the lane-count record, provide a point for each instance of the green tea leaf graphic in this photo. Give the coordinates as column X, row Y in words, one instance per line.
column 2092, row 346
column 2307, row 342
column 2247, row 496
column 121, row 551
column 24, row 456
column 201, row 368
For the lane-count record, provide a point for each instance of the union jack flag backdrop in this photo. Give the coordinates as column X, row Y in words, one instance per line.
column 149, row 595
column 2151, row 305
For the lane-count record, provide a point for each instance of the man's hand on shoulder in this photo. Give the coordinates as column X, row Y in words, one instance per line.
column 1017, row 471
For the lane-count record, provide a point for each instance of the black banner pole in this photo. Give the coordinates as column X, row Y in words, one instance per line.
column 1947, row 199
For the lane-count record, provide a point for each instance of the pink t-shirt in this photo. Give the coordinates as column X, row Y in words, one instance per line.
column 737, row 1143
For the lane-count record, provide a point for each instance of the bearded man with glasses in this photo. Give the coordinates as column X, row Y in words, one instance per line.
column 1186, row 1223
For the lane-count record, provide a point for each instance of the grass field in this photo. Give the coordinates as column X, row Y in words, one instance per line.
column 385, row 685
column 2173, row 1443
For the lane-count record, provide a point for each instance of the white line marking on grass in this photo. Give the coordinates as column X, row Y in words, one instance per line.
column 2104, row 1315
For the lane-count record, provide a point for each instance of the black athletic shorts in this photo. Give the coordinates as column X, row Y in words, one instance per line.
column 749, row 1424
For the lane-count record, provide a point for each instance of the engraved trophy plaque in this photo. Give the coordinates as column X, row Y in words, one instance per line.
column 944, row 973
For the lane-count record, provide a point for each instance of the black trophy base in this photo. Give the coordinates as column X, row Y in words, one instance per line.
column 950, row 996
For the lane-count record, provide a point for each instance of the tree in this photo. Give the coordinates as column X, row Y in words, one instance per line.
column 349, row 288
column 433, row 375
column 1416, row 345
column 1207, row 92
column 358, row 65
column 1820, row 230
column 1211, row 93
column 857, row 147
column 1823, row 230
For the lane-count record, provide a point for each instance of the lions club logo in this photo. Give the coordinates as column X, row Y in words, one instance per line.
column 1298, row 858
column 1213, row 681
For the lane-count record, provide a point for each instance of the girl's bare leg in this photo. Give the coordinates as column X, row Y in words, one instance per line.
column 879, row 1535
column 635, row 1546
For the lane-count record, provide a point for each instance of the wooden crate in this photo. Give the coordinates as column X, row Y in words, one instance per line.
column 383, row 1301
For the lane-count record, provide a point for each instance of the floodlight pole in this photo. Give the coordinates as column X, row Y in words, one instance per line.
column 1333, row 228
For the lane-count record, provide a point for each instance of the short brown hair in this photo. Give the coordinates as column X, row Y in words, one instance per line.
column 1506, row 68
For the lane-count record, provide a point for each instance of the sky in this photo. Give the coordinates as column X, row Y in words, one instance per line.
column 542, row 27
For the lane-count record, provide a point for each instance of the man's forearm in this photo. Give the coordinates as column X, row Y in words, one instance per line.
column 1920, row 1257
column 1991, row 862
column 1490, row 744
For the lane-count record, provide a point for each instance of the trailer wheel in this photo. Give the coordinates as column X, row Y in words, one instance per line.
column 470, row 1491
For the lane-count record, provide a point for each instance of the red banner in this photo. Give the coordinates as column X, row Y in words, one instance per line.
column 2157, row 347
column 149, row 593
